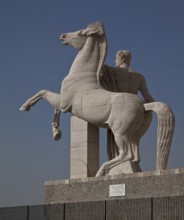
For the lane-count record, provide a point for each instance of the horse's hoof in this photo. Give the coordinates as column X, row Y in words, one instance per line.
column 99, row 173
column 25, row 108
column 57, row 135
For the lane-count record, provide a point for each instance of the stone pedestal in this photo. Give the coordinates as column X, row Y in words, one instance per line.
column 144, row 195
column 84, row 154
column 137, row 185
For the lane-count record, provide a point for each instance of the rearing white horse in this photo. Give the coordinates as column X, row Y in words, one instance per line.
column 82, row 95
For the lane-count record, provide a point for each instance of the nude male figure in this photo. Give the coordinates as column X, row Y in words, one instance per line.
column 123, row 79
column 130, row 81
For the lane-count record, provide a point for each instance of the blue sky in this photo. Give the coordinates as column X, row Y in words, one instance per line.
column 33, row 58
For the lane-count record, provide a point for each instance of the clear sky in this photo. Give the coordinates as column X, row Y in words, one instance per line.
column 33, row 58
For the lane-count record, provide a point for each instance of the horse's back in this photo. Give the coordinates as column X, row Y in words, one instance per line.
column 100, row 107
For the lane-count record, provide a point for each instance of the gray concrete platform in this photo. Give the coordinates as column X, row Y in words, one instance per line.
column 151, row 184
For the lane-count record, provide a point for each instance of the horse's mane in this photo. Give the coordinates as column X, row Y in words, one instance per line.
column 103, row 46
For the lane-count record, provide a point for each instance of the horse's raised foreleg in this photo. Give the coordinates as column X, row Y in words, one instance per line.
column 51, row 97
column 55, row 125
column 54, row 100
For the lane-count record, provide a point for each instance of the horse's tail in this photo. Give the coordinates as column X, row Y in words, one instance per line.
column 166, row 122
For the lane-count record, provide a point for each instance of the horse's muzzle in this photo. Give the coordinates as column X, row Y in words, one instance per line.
column 62, row 37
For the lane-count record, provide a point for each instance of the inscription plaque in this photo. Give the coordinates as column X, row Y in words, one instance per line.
column 117, row 190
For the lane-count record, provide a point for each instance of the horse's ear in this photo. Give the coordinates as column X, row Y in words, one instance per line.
column 93, row 29
column 92, row 32
column 89, row 32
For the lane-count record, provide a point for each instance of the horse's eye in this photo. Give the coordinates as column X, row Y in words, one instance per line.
column 80, row 33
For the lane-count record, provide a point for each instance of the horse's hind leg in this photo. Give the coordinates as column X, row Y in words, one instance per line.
column 51, row 97
column 125, row 154
column 124, row 149
column 139, row 133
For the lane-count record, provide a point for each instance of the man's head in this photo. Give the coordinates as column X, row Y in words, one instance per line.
column 123, row 57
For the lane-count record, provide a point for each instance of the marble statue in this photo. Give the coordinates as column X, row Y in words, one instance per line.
column 84, row 95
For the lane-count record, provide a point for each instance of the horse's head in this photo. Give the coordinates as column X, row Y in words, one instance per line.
column 77, row 39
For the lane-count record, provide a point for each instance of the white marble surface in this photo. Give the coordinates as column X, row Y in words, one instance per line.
column 124, row 113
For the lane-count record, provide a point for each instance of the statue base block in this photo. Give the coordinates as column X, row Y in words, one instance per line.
column 137, row 185
column 144, row 195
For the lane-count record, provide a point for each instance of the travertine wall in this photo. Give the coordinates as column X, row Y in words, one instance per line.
column 148, row 196
column 162, row 208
